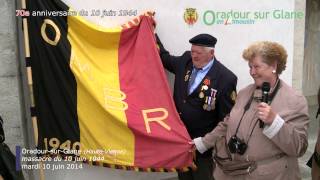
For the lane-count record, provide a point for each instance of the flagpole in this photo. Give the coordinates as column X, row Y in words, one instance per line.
column 30, row 85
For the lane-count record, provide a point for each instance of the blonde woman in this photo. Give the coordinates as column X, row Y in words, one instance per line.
column 261, row 140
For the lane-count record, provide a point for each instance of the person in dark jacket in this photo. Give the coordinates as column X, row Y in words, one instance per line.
column 7, row 160
column 204, row 93
column 2, row 168
column 1, row 131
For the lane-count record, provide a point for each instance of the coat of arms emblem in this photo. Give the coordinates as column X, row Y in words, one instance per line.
column 190, row 16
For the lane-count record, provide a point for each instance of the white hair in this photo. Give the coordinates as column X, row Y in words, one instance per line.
column 209, row 48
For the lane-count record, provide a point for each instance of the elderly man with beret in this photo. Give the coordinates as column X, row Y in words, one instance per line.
column 204, row 93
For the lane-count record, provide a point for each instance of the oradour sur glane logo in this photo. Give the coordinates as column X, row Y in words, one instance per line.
column 190, row 16
column 233, row 17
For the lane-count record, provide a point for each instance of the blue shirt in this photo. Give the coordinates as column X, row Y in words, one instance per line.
column 200, row 75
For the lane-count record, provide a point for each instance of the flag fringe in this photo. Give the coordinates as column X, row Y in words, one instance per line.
column 136, row 21
column 192, row 167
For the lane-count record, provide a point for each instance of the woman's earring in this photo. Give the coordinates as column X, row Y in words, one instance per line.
column 273, row 71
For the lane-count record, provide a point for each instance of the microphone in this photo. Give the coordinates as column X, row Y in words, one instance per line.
column 265, row 90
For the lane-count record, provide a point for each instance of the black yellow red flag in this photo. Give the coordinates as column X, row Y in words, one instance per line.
column 103, row 91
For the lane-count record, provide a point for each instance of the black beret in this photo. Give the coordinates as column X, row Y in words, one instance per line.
column 203, row 40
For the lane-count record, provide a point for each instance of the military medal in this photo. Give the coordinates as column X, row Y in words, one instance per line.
column 205, row 105
column 209, row 108
column 233, row 96
column 206, row 82
column 201, row 95
column 209, row 103
column 213, row 96
column 208, row 94
column 204, row 87
column 186, row 77
column 213, row 103
column 210, row 100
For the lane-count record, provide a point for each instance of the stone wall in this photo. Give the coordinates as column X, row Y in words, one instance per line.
column 311, row 68
column 9, row 84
